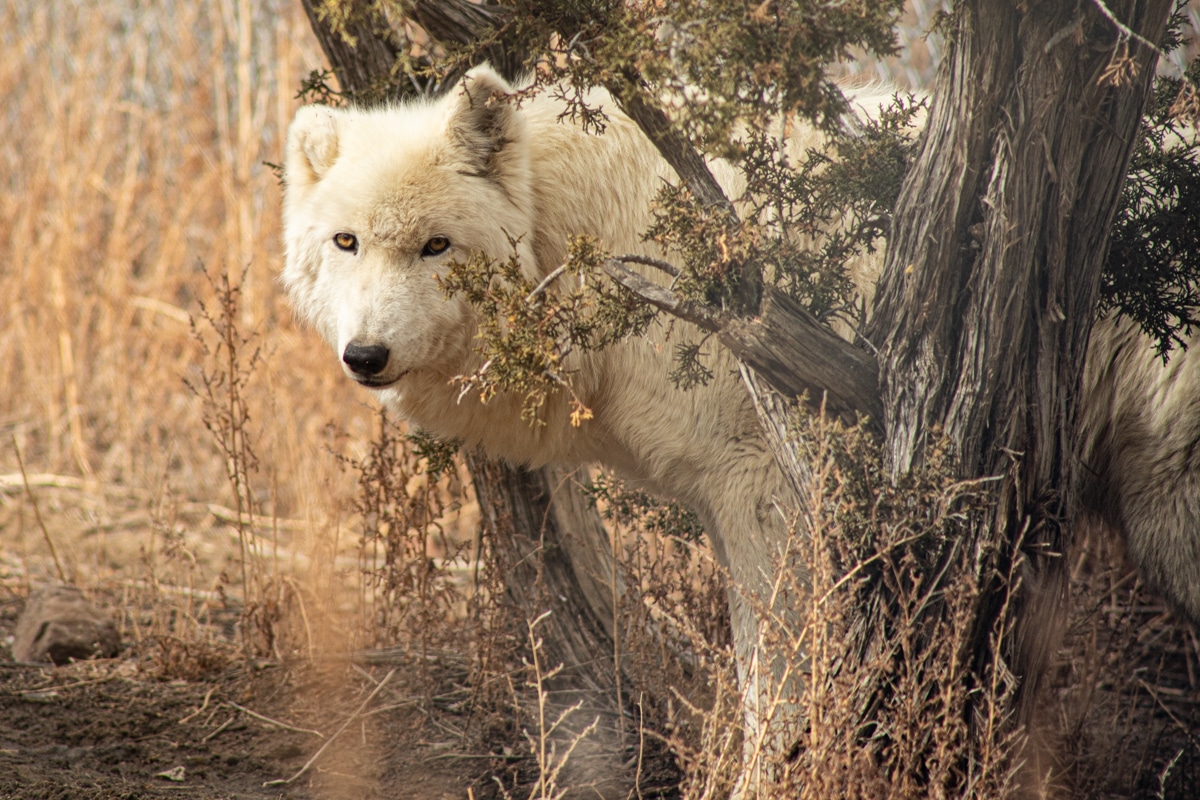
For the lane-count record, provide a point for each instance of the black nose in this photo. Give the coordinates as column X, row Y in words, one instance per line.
column 365, row 359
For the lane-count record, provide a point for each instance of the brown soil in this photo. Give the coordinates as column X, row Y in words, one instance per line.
column 390, row 728
column 112, row 729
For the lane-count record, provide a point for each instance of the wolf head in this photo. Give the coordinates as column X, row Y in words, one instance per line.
column 378, row 202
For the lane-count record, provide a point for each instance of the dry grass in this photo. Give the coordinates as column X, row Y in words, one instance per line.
column 184, row 447
column 132, row 148
column 187, row 455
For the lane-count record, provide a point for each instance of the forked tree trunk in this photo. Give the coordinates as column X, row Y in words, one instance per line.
column 551, row 539
column 551, row 548
column 983, row 314
column 993, row 268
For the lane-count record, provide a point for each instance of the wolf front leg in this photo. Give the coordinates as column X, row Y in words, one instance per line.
column 769, row 587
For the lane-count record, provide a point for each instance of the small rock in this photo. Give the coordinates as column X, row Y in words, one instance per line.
column 58, row 625
column 173, row 774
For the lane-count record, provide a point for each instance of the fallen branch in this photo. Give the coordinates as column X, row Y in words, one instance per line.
column 207, row 696
column 224, row 725
column 274, row 722
column 17, row 481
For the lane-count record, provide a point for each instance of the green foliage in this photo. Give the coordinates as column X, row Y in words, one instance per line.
column 708, row 244
column 316, row 88
column 633, row 507
column 803, row 223
column 723, row 63
column 528, row 332
column 734, row 63
column 831, row 207
column 437, row 454
column 1153, row 269
column 689, row 368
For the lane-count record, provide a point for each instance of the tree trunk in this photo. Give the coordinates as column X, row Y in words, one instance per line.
column 991, row 282
column 552, row 540
column 532, row 516
column 362, row 68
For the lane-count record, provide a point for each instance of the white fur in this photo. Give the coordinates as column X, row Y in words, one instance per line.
column 482, row 172
column 404, row 174
column 1140, row 454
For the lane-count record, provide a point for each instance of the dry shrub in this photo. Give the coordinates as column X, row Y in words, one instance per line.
column 417, row 575
column 894, row 704
column 674, row 643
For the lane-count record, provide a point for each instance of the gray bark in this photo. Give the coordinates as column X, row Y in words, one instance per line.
column 790, row 350
column 991, row 282
column 364, row 67
column 551, row 562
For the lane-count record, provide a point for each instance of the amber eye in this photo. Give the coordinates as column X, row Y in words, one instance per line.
column 435, row 246
column 346, row 241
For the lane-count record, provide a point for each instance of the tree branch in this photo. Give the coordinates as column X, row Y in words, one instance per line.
column 462, row 22
column 662, row 298
column 676, row 150
column 688, row 164
column 800, row 357
column 361, row 68
column 785, row 345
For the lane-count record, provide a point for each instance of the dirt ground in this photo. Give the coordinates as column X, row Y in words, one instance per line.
column 111, row 729
column 198, row 720
column 181, row 712
column 375, row 724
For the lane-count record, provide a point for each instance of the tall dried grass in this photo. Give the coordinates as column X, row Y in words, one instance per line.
column 132, row 150
column 132, row 145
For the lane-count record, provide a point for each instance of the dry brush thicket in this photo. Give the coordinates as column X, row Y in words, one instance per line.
column 191, row 451
column 134, row 183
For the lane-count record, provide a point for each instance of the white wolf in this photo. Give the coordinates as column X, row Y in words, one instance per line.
column 377, row 202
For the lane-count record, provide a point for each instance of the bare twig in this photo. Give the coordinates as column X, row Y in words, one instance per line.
column 37, row 514
column 17, row 480
column 224, row 725
column 336, row 734
column 207, row 696
column 1154, row 692
column 657, row 263
column 546, row 281
column 1125, row 30
column 660, row 297
column 274, row 722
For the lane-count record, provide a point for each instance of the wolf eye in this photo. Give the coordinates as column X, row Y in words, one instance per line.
column 435, row 246
column 346, row 241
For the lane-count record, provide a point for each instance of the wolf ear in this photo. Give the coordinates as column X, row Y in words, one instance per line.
column 312, row 145
column 483, row 121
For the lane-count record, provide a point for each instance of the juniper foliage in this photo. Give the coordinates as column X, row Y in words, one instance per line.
column 1152, row 274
